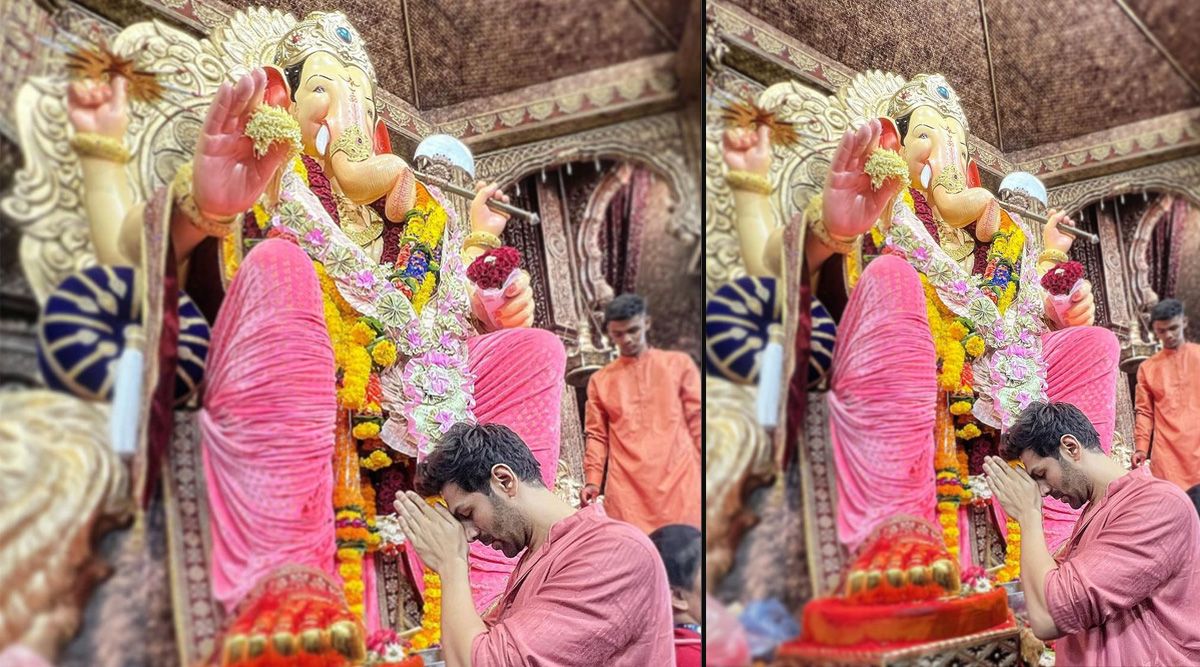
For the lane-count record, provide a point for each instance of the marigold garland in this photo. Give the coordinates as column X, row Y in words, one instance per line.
column 430, row 633
column 968, row 432
column 417, row 261
column 956, row 341
column 949, row 477
column 1012, row 553
column 350, row 523
column 368, row 493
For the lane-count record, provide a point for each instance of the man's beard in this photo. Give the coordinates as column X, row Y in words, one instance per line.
column 1074, row 484
column 509, row 526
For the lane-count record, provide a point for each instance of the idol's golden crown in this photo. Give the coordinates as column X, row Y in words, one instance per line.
column 927, row 90
column 329, row 32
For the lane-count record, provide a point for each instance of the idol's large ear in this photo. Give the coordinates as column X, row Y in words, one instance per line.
column 973, row 180
column 383, row 141
column 890, row 137
column 278, row 92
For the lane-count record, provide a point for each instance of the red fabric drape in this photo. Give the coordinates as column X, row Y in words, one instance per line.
column 1163, row 255
column 623, row 224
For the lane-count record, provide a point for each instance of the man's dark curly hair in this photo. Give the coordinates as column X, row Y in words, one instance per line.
column 624, row 307
column 466, row 455
column 1167, row 309
column 679, row 546
column 1041, row 426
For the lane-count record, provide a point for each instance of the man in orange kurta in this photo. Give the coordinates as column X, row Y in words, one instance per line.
column 1168, row 401
column 643, row 427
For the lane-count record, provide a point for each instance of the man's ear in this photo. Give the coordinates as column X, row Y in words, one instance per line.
column 504, row 480
column 678, row 602
column 1071, row 446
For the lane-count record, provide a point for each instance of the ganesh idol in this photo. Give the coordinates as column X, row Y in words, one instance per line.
column 345, row 335
column 947, row 332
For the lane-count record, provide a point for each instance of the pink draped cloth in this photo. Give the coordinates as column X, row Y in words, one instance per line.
column 882, row 402
column 883, row 397
column 267, row 424
column 270, row 479
column 1127, row 583
column 518, row 383
column 595, row 593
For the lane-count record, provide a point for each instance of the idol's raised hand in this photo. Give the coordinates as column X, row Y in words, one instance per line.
column 484, row 219
column 95, row 107
column 748, row 150
column 851, row 205
column 230, row 177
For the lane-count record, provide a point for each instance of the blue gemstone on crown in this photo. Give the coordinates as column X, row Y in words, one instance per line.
column 344, row 33
column 944, row 92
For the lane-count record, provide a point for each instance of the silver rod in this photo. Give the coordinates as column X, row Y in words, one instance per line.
column 469, row 194
column 1040, row 219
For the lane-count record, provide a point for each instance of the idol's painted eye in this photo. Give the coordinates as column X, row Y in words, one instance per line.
column 924, row 135
column 319, row 89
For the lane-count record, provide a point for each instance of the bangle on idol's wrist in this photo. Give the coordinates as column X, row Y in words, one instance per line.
column 181, row 193
column 812, row 214
column 749, row 182
column 1053, row 256
column 486, row 240
column 90, row 144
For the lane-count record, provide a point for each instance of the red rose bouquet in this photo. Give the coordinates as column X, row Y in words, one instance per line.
column 1062, row 282
column 493, row 272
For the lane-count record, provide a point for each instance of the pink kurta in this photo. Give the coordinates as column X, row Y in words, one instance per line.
column 595, row 593
column 1127, row 587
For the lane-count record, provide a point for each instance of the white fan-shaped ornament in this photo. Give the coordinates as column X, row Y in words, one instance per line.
column 447, row 149
column 1023, row 182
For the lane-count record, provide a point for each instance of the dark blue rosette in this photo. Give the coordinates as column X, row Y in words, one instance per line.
column 85, row 323
column 737, row 320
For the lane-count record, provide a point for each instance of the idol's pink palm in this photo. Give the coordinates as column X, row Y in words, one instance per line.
column 230, row 177
column 851, row 206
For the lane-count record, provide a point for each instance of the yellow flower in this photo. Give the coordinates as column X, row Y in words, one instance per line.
column 384, row 353
column 300, row 169
column 230, row 254
column 877, row 236
column 361, row 333
column 960, row 408
column 968, row 432
column 975, row 346
column 261, row 217
column 378, row 459
column 957, row 330
column 1006, row 299
column 424, row 292
column 366, row 431
column 952, row 364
